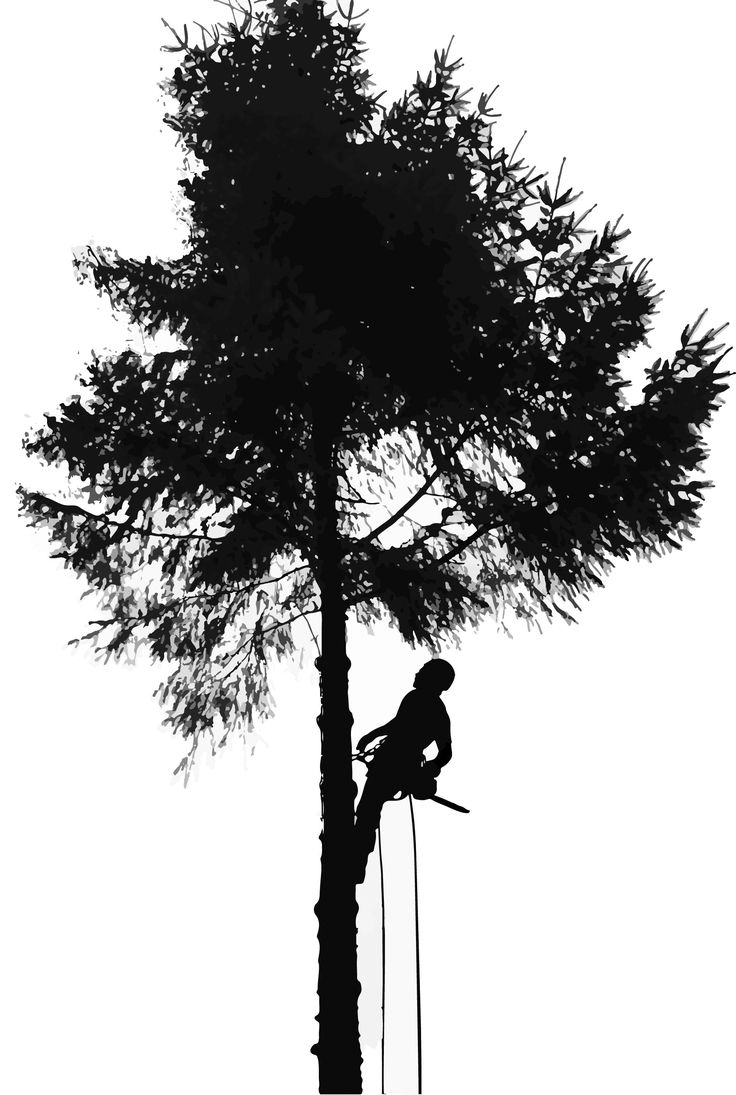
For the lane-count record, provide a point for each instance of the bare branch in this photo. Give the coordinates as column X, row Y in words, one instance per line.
column 183, row 42
column 245, row 648
column 416, row 497
column 315, row 640
column 460, row 547
column 234, row 592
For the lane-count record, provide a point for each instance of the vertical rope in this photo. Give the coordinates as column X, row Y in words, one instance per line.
column 416, row 948
column 383, row 967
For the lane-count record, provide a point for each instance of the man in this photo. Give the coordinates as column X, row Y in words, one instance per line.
column 397, row 766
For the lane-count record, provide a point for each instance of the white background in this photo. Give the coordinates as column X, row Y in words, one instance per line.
column 578, row 925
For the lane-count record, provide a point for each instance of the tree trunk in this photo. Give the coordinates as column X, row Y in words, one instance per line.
column 338, row 1047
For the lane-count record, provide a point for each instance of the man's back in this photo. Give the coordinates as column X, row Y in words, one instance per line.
column 421, row 719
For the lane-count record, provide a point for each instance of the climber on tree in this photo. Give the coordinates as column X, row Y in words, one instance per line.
column 397, row 766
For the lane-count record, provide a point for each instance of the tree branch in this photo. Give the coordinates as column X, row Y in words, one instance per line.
column 105, row 518
column 461, row 546
column 416, row 497
column 172, row 605
column 265, row 631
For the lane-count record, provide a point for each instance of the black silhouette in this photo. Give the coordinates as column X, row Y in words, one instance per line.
column 391, row 389
column 450, row 805
column 397, row 766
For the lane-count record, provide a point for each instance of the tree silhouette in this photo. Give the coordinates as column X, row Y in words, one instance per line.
column 393, row 391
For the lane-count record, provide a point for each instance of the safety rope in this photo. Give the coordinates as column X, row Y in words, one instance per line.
column 359, row 756
column 416, row 948
column 383, row 967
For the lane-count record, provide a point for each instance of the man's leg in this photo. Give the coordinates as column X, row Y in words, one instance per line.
column 367, row 817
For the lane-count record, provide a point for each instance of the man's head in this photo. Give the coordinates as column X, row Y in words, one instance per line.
column 435, row 676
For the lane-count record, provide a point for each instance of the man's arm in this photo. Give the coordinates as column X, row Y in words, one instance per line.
column 380, row 732
column 444, row 752
column 401, row 715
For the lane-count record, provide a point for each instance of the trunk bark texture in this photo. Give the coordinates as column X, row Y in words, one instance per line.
column 338, row 1047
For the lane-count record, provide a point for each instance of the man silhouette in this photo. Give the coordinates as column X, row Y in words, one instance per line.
column 397, row 765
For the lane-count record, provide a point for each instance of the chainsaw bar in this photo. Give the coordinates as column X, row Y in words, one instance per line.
column 450, row 805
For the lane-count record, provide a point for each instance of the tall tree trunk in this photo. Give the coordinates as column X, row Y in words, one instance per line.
column 338, row 1048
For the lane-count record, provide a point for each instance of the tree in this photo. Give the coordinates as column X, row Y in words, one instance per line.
column 378, row 311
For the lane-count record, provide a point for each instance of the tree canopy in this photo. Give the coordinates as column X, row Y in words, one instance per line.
column 391, row 276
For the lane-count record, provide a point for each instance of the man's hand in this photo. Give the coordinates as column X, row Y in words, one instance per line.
column 424, row 784
column 367, row 739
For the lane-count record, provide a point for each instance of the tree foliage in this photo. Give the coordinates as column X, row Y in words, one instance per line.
column 394, row 273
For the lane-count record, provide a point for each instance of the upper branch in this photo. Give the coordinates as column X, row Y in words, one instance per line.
column 422, row 492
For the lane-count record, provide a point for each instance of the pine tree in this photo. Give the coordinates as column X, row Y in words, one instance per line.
column 395, row 392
